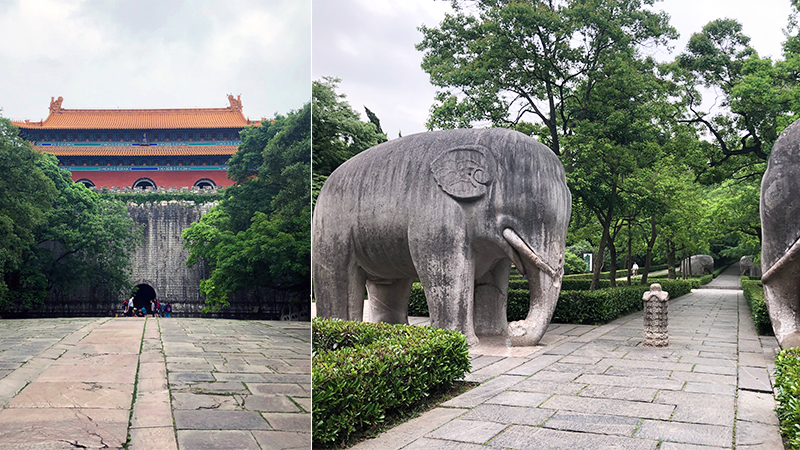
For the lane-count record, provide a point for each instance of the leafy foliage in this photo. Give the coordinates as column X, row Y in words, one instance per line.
column 362, row 370
column 59, row 235
column 754, row 294
column 787, row 384
column 576, row 303
column 141, row 198
column 505, row 62
column 259, row 235
column 338, row 132
column 27, row 195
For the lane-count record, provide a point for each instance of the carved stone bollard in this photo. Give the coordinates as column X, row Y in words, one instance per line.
column 656, row 332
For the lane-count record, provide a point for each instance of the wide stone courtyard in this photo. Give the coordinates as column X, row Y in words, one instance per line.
column 155, row 383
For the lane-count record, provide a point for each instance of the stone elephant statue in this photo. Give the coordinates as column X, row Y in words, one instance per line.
column 780, row 228
column 455, row 209
column 748, row 267
column 701, row 265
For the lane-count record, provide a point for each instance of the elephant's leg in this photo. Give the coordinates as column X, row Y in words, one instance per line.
column 389, row 300
column 339, row 286
column 491, row 297
column 448, row 279
column 782, row 295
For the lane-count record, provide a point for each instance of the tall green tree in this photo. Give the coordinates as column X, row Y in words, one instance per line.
column 259, row 235
column 338, row 131
column 756, row 96
column 87, row 239
column 26, row 194
column 623, row 134
column 508, row 62
column 56, row 235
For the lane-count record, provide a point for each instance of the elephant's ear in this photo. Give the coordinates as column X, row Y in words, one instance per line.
column 465, row 172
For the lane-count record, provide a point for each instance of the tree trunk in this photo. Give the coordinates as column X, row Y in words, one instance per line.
column 670, row 260
column 650, row 244
column 612, row 250
column 612, row 274
column 629, row 256
column 598, row 264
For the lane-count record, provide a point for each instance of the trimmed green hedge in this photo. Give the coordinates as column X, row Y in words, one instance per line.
column 361, row 371
column 604, row 305
column 754, row 294
column 787, row 383
column 577, row 306
column 417, row 305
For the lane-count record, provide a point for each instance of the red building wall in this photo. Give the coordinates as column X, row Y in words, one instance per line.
column 160, row 178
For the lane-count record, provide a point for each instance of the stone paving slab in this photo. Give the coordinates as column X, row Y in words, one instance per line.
column 70, row 383
column 598, row 387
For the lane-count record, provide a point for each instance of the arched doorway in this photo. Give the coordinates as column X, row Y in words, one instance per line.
column 144, row 293
column 205, row 183
column 86, row 182
column 144, row 183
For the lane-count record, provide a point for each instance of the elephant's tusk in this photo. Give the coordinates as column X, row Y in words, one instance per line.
column 527, row 253
column 788, row 257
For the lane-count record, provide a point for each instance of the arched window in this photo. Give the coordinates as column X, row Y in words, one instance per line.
column 143, row 183
column 86, row 182
column 205, row 183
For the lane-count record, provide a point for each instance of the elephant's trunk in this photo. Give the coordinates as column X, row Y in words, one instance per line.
column 544, row 283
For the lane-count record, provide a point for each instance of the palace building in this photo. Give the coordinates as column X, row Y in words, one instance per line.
column 141, row 148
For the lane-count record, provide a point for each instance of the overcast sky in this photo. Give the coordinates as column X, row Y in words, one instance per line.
column 369, row 44
column 154, row 54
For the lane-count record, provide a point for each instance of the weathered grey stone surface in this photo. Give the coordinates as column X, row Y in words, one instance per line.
column 453, row 208
column 748, row 267
column 656, row 317
column 701, row 265
column 780, row 225
column 75, row 381
column 161, row 261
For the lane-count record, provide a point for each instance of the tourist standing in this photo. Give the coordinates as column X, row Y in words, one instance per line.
column 634, row 269
column 130, row 306
column 168, row 310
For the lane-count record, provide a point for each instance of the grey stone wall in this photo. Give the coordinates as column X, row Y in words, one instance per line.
column 161, row 261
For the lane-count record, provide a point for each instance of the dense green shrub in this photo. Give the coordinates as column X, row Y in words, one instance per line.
column 582, row 284
column 604, row 305
column 417, row 305
column 362, row 370
column 754, row 294
column 705, row 279
column 576, row 306
column 787, row 383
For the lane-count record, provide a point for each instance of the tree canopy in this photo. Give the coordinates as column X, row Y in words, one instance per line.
column 640, row 153
column 338, row 131
column 57, row 235
column 259, row 235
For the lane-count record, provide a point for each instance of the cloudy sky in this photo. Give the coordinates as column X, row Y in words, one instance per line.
column 369, row 44
column 154, row 54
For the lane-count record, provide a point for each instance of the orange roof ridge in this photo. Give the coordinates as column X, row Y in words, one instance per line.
column 144, row 119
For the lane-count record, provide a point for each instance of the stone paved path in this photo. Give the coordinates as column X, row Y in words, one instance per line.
column 596, row 387
column 154, row 384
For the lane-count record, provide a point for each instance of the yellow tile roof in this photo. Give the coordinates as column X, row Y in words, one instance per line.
column 141, row 119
